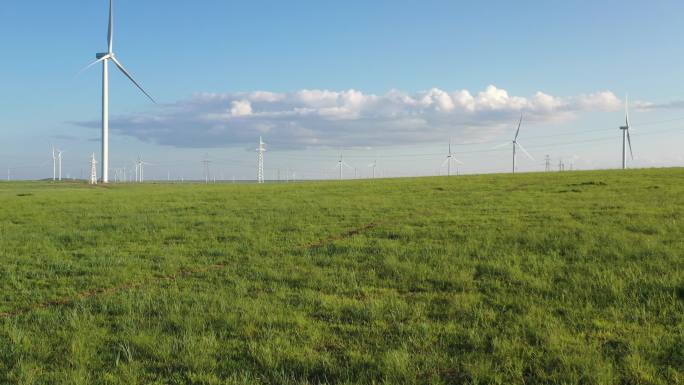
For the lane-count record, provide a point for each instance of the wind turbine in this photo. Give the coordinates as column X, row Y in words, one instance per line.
column 341, row 164
column 516, row 144
column 140, row 170
column 105, row 58
column 59, row 161
column 54, row 163
column 374, row 165
column 450, row 158
column 625, row 137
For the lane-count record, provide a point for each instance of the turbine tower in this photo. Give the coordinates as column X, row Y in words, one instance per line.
column 625, row 137
column 93, row 169
column 516, row 145
column 260, row 161
column 450, row 158
column 105, row 57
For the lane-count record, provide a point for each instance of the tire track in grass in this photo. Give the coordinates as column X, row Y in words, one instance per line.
column 184, row 273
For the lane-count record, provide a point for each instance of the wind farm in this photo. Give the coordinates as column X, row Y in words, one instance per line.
column 324, row 193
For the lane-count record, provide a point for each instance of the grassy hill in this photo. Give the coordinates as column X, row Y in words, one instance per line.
column 562, row 278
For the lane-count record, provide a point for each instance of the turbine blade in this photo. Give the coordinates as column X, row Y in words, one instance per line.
column 90, row 65
column 110, row 30
column 457, row 161
column 525, row 151
column 519, row 124
column 122, row 69
column 347, row 166
column 629, row 140
column 501, row 145
column 445, row 162
column 627, row 112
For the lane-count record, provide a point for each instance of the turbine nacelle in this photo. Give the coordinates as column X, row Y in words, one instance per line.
column 104, row 55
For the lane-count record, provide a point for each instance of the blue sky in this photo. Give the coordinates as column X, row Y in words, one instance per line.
column 209, row 57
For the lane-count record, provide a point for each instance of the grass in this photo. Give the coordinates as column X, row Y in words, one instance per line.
column 563, row 278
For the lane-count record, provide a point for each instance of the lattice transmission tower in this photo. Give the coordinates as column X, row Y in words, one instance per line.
column 260, row 161
column 93, row 169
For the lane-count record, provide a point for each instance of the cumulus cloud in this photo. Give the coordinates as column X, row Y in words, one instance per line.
column 351, row 118
column 241, row 108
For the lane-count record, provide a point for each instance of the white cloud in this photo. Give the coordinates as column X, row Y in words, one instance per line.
column 241, row 108
column 309, row 118
column 604, row 100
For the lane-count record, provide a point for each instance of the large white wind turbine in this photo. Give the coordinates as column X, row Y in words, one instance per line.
column 105, row 58
column 516, row 145
column 625, row 137
column 449, row 159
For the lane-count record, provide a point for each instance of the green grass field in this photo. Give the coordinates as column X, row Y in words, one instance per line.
column 563, row 278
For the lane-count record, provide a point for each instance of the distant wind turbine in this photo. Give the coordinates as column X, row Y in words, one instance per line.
column 516, row 145
column 105, row 58
column 374, row 165
column 140, row 170
column 57, row 163
column 625, row 137
column 449, row 159
column 341, row 164
column 54, row 163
